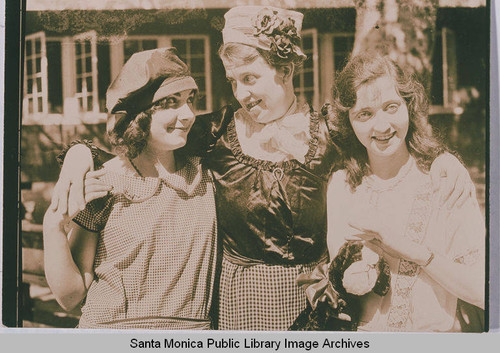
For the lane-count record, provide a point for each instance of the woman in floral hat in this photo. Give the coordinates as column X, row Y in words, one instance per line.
column 132, row 255
column 271, row 161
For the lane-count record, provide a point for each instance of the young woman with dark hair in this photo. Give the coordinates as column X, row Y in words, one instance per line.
column 132, row 255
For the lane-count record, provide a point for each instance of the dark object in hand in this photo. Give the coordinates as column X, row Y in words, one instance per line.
column 332, row 307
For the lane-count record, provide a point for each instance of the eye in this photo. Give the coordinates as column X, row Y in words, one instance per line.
column 190, row 99
column 249, row 79
column 364, row 115
column 392, row 108
column 170, row 101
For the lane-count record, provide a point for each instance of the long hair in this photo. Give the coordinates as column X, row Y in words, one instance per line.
column 366, row 68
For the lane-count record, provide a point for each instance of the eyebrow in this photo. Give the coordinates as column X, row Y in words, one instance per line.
column 390, row 101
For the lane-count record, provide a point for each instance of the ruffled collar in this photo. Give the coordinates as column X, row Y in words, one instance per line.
column 282, row 139
column 312, row 120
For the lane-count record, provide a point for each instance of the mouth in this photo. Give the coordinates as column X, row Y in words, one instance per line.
column 174, row 128
column 250, row 105
column 384, row 138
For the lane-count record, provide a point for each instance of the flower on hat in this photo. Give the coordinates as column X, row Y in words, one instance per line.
column 266, row 21
column 281, row 31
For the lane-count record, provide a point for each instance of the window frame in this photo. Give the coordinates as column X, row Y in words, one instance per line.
column 81, row 37
column 43, row 75
column 206, row 54
column 313, row 32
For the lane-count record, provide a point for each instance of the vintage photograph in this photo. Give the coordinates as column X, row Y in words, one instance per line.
column 255, row 165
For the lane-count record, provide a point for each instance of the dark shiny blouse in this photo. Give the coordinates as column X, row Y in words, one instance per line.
column 273, row 213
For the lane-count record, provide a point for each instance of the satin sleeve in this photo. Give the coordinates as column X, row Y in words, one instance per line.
column 206, row 130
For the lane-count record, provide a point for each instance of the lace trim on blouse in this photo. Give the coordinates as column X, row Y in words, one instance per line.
column 286, row 165
column 408, row 271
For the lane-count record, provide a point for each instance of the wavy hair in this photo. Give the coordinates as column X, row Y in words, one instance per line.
column 361, row 70
column 241, row 54
column 130, row 136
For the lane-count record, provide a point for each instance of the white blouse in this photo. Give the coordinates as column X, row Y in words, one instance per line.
column 408, row 205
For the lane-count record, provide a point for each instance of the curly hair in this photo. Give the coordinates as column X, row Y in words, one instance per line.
column 366, row 68
column 130, row 136
column 241, row 54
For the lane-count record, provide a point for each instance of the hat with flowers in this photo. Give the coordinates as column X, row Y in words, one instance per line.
column 265, row 27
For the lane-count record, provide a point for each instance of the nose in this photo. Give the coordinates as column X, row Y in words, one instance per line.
column 381, row 123
column 240, row 92
column 185, row 113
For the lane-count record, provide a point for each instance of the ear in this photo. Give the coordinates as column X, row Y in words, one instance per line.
column 287, row 72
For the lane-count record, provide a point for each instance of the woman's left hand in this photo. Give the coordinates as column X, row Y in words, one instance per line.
column 453, row 181
column 380, row 238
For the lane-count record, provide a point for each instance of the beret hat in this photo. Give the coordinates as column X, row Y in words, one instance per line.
column 146, row 78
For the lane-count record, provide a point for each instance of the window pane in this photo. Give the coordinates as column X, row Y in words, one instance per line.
column 89, row 103
column 87, row 46
column 38, row 64
column 30, row 106
column 29, row 50
column 88, row 65
column 180, row 44
column 197, row 46
column 308, row 79
column 307, row 43
column 29, row 66
column 89, row 84
column 130, row 47
column 79, row 85
column 80, row 104
column 197, row 65
column 149, row 44
column 40, row 105
column 39, row 84
column 30, row 85
column 38, row 46
column 78, row 48
column 78, row 66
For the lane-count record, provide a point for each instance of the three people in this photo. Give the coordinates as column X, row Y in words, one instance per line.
column 384, row 197
column 271, row 162
column 144, row 256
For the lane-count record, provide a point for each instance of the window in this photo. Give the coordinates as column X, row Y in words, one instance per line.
column 306, row 82
column 35, row 75
column 86, row 72
column 342, row 48
column 444, row 73
column 195, row 52
column 131, row 46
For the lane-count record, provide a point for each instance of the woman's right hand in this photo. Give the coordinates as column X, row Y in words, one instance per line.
column 68, row 195
column 94, row 187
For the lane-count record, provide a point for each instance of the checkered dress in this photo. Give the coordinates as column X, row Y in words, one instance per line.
column 260, row 297
column 156, row 255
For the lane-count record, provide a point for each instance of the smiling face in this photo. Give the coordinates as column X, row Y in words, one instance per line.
column 262, row 91
column 380, row 118
column 171, row 119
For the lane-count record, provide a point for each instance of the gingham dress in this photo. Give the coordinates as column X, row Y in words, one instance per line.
column 156, row 254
